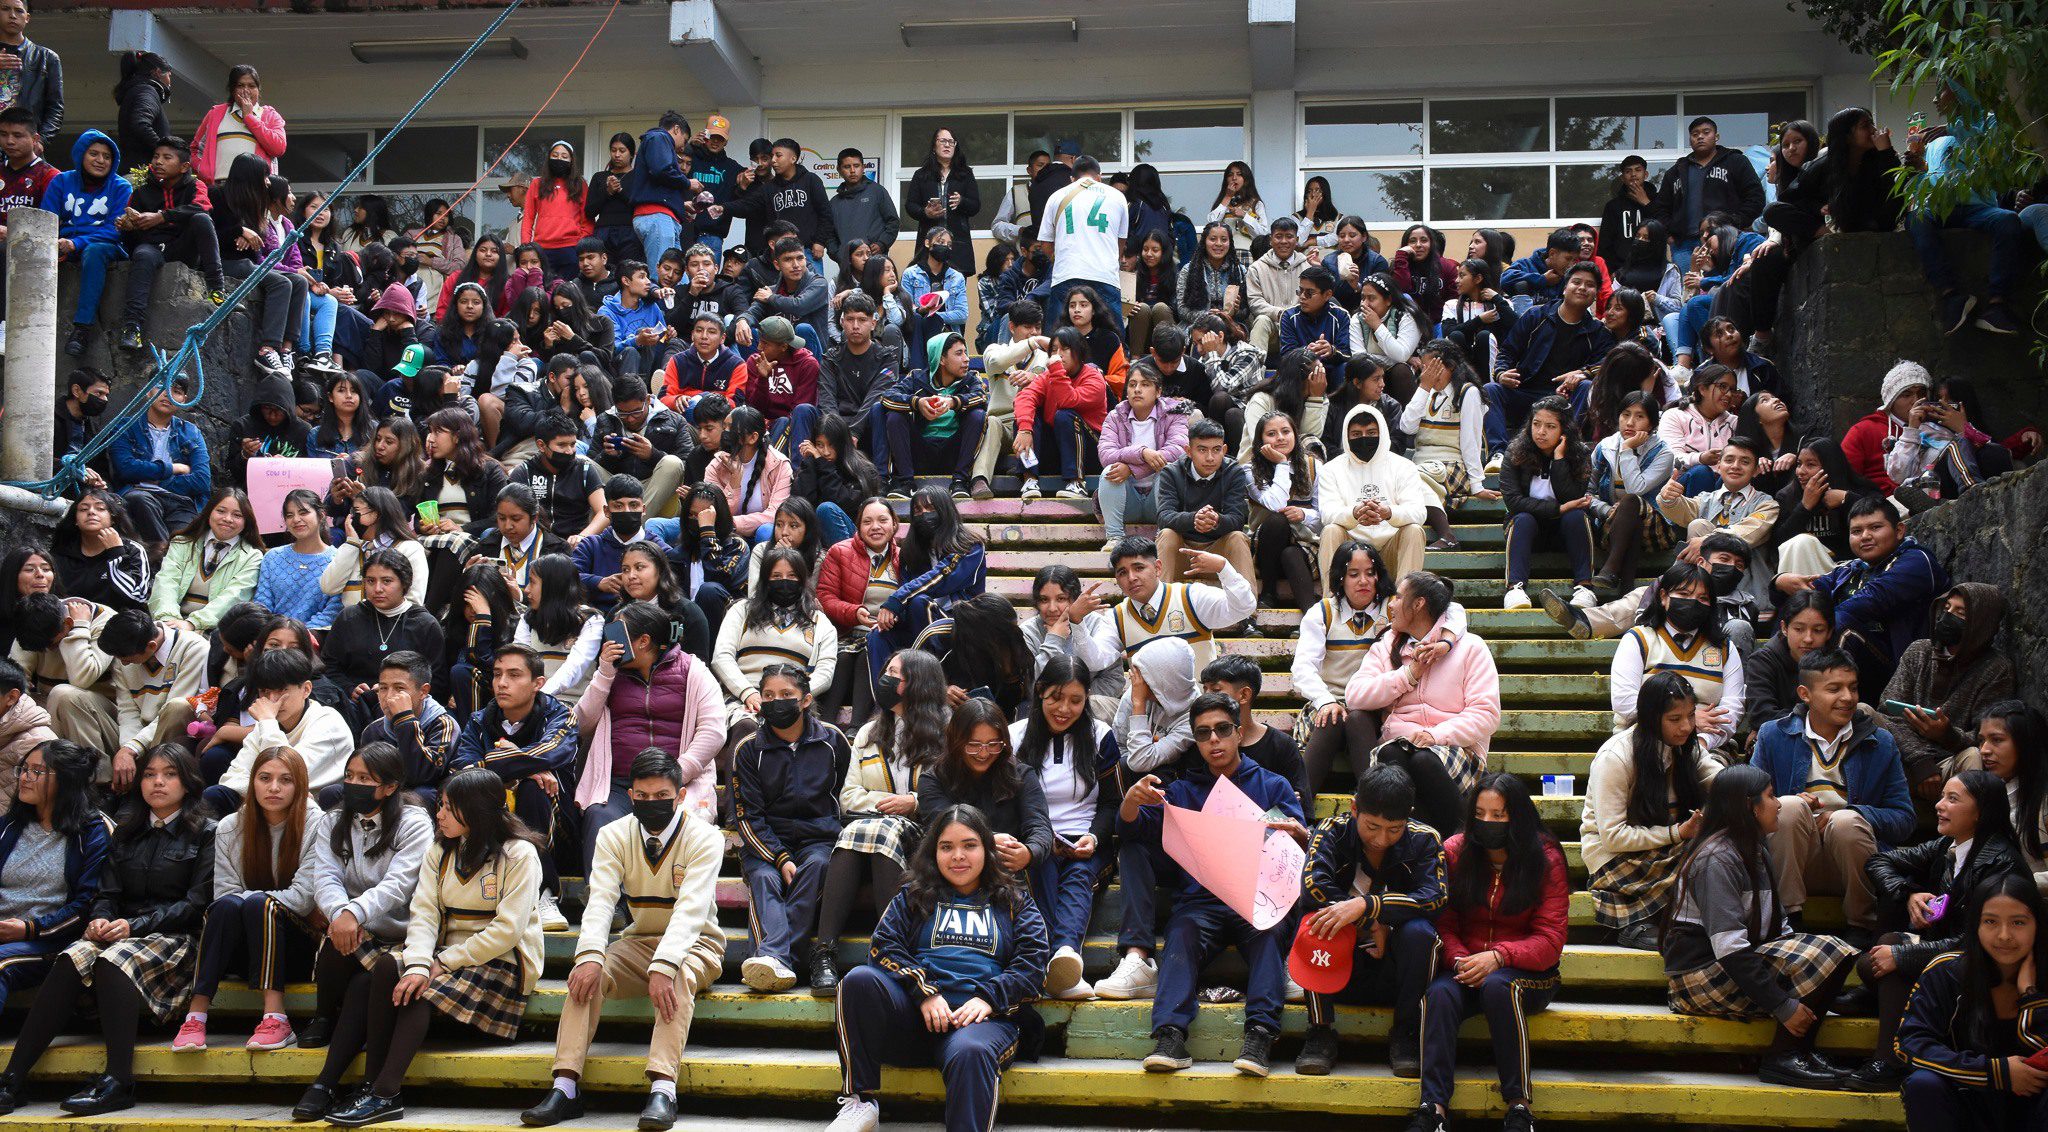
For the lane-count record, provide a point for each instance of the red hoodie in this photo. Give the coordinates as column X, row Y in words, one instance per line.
column 1530, row 940
column 1863, row 446
column 1054, row 390
column 791, row 382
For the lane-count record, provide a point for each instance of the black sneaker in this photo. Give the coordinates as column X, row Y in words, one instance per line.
column 1255, row 1056
column 81, row 335
column 1169, row 1051
column 1404, row 1050
column 900, row 489
column 131, row 337
column 1955, row 311
column 824, row 974
column 1318, row 1052
column 960, row 492
column 317, row 1101
column 1426, row 1119
column 1995, row 318
column 317, row 1033
column 367, row 1107
column 1518, row 1119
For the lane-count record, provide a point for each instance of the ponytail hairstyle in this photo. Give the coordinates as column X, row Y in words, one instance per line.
column 1653, row 785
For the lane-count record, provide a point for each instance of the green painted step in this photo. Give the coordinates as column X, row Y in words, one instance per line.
column 1090, row 561
column 1484, row 592
column 1509, row 654
column 1535, row 689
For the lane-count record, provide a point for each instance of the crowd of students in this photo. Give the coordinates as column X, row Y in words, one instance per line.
column 612, row 560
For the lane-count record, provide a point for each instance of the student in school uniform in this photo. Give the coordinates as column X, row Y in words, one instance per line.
column 366, row 857
column 1074, row 757
column 661, row 862
column 472, row 942
column 527, row 738
column 158, row 669
column 1381, row 874
column 412, row 720
column 780, row 623
column 957, row 958
column 786, row 803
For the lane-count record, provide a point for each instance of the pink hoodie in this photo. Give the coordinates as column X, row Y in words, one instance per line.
column 1457, row 700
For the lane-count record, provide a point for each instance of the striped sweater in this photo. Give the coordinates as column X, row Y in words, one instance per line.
column 467, row 921
column 177, row 670
column 671, row 896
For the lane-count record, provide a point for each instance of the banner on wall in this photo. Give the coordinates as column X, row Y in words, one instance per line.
column 823, row 137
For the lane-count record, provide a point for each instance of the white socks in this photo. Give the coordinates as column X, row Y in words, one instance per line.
column 567, row 1086
column 663, row 1087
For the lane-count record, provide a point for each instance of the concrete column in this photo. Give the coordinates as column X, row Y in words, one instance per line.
column 27, row 431
column 1273, row 148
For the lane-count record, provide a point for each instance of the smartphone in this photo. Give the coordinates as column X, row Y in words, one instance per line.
column 1897, row 709
column 616, row 631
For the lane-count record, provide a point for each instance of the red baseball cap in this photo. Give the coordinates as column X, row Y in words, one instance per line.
column 1322, row 965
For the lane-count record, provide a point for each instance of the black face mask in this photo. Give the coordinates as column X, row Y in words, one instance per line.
column 1948, row 629
column 410, row 263
column 888, row 692
column 926, row 525
column 561, row 462
column 93, row 406
column 1488, row 835
column 558, row 168
column 358, row 798
column 784, row 591
column 1363, row 447
column 654, row 815
column 1688, row 614
column 626, row 524
column 781, row 713
column 1722, row 579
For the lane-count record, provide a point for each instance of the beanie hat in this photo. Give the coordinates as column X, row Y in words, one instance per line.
column 1902, row 377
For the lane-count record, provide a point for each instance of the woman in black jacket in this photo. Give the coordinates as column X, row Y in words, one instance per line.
column 139, row 943
column 1922, row 893
column 1770, row 676
column 144, row 87
column 943, row 193
column 835, row 477
column 384, row 622
column 462, row 482
column 1544, row 482
column 981, row 769
column 97, row 555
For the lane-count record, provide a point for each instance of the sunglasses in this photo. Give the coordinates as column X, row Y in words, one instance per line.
column 1218, row 731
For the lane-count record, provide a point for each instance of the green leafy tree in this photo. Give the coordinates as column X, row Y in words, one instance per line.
column 1987, row 62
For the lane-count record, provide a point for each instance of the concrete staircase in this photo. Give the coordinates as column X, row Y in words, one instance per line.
column 1608, row 1054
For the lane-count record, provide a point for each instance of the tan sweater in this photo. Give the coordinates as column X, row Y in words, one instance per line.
column 674, row 898
column 1604, row 831
column 142, row 690
column 467, row 922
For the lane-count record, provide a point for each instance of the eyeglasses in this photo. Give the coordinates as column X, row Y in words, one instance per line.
column 33, row 771
column 992, row 746
column 1219, row 731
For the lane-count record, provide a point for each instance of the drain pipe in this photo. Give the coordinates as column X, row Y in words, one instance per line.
column 28, row 429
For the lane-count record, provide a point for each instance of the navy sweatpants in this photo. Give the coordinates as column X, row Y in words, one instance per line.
column 1508, row 996
column 24, row 962
column 1198, row 930
column 781, row 918
column 877, row 1013
column 1396, row 978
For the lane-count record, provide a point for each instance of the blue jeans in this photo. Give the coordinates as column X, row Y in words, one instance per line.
column 2034, row 218
column 92, row 278
column 1112, row 297
column 658, row 232
column 834, row 523
column 1682, row 330
column 715, row 243
column 1507, row 408
column 1197, row 930
column 1122, row 503
column 316, row 332
column 788, row 434
column 1065, row 891
column 2007, row 247
column 1699, row 479
column 808, row 334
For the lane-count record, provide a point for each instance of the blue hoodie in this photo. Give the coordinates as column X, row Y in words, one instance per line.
column 86, row 213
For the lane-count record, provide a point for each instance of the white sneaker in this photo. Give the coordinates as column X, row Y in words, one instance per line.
column 1493, row 465
column 764, row 974
column 551, row 918
column 1584, row 597
column 1064, row 970
column 1109, row 545
column 1079, row 992
column 856, row 1114
column 1031, row 491
column 1135, row 977
column 1515, row 598
column 1294, row 991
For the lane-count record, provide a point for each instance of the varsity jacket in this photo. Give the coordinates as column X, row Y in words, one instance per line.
column 426, row 739
column 1411, row 883
column 1928, row 1038
column 85, row 859
column 544, row 741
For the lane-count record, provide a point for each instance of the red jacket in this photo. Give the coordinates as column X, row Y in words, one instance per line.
column 1530, row 940
column 1087, row 395
column 1863, row 446
column 843, row 581
column 554, row 221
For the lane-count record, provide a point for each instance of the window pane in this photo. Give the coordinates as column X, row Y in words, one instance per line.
column 1387, row 129
column 323, row 158
column 1620, row 122
column 529, row 158
column 429, row 154
column 409, row 208
column 1583, row 190
column 992, row 190
column 1746, row 119
column 1378, row 196
column 1191, row 192
column 1496, row 193
column 1188, row 135
column 1101, row 135
column 500, row 219
column 983, row 139
column 1490, row 125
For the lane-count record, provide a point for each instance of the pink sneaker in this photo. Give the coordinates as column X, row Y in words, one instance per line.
column 272, row 1033
column 191, row 1035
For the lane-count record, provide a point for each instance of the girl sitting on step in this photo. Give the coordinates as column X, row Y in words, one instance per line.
column 1678, row 631
column 1074, row 757
column 1545, row 479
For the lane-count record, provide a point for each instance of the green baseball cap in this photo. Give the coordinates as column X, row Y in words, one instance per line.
column 413, row 361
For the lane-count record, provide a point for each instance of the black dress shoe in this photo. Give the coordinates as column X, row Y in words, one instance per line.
column 553, row 1109
column 824, row 977
column 317, row 1101
column 1404, row 1052
column 104, row 1095
column 10, row 1093
column 317, row 1033
column 1795, row 1070
column 1859, row 1001
column 1875, row 1076
column 367, row 1107
column 660, row 1113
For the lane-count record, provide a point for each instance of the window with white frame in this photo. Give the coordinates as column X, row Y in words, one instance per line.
column 1189, row 145
column 1513, row 160
column 430, row 161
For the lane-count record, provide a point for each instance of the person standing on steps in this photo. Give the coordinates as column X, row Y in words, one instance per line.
column 1082, row 229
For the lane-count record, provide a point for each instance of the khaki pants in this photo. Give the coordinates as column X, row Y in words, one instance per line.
column 1613, row 619
column 85, row 717
column 1809, row 858
column 1402, row 547
column 1234, row 547
column 1265, row 334
column 1140, row 320
column 997, row 433
column 662, row 485
column 1804, row 555
column 625, row 976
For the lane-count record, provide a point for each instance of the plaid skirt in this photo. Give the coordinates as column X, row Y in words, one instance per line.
column 1449, row 479
column 1803, row 963
column 889, row 835
column 367, row 952
column 160, row 966
column 1636, row 887
column 457, row 543
column 487, row 997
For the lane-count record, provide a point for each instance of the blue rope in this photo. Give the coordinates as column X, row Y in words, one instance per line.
column 70, row 471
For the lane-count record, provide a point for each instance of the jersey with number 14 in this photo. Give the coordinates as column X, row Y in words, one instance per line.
column 1086, row 223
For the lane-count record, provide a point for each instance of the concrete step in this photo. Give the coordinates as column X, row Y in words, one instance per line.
column 1482, row 593
column 1089, row 561
column 493, row 1113
column 1509, row 654
column 1010, row 508
column 1085, row 533
column 774, row 1075
column 1525, row 688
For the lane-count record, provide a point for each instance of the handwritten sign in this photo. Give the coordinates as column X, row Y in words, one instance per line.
column 271, row 478
column 1225, row 846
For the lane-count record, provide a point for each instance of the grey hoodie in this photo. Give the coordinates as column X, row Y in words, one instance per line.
column 865, row 212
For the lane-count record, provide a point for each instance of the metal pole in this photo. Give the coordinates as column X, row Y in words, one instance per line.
column 28, row 430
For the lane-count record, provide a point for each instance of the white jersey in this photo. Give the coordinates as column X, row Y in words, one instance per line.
column 1086, row 223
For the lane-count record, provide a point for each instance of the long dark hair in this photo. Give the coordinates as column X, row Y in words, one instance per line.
column 1326, row 209
column 201, row 526
column 1003, row 780
column 1521, row 875
column 812, row 545
column 67, row 533
column 411, row 466
column 573, row 184
column 1297, row 460
column 1787, row 171
column 493, row 340
column 721, row 517
column 960, row 166
column 848, row 458
column 1145, row 187
column 1677, row 575
column 478, row 797
column 392, row 520
column 1649, row 795
column 561, row 613
column 1522, row 451
column 1060, row 671
column 1843, row 160
column 376, row 217
column 1976, row 1026
column 450, row 331
column 387, row 766
column 467, row 461
column 920, row 740
column 668, row 591
column 494, row 283
column 949, row 537
column 1288, row 384
column 327, row 433
column 246, row 193
column 1730, row 819
column 1842, row 475
column 1994, row 813
column 2029, row 732
column 924, row 887
column 1198, row 296
column 192, row 811
column 1622, row 372
column 1166, row 273
column 742, row 422
column 987, row 639
column 760, row 610
column 504, row 612
column 1249, row 194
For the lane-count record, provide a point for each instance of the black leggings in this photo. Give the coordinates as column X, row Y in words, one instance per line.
column 120, row 1016
column 391, row 1036
column 1225, row 410
column 842, row 888
column 1278, row 555
column 1624, row 540
column 850, row 688
column 1359, row 733
column 1438, row 801
column 1892, row 992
